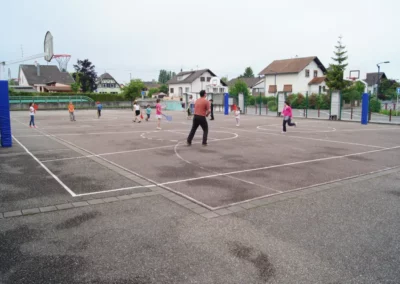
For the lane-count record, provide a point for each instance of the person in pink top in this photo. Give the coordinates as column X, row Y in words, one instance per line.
column 158, row 114
column 287, row 116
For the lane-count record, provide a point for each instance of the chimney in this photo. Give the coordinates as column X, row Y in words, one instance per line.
column 37, row 68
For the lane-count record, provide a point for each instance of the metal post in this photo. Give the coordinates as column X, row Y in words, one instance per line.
column 318, row 111
column 260, row 102
column 390, row 115
column 351, row 113
column 307, row 104
column 377, row 89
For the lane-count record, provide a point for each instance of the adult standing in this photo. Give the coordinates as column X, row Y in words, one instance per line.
column 201, row 111
column 212, row 109
column 287, row 116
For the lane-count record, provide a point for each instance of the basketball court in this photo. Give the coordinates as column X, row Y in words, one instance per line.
column 111, row 156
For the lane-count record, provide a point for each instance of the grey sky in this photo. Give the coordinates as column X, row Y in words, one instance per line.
column 142, row 37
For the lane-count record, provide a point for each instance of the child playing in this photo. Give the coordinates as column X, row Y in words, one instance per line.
column 71, row 110
column 148, row 112
column 158, row 114
column 32, row 112
column 136, row 107
column 99, row 108
column 287, row 116
column 237, row 116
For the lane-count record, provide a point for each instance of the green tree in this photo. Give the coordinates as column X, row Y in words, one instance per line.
column 354, row 92
column 87, row 75
column 11, row 82
column 76, row 86
column 224, row 79
column 240, row 87
column 387, row 88
column 164, row 88
column 152, row 91
column 248, row 73
column 334, row 75
column 133, row 89
column 165, row 76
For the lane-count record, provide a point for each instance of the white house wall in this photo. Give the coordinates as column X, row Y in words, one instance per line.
column 195, row 87
column 298, row 81
column 22, row 79
column 109, row 90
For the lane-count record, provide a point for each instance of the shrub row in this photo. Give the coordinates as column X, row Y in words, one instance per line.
column 93, row 96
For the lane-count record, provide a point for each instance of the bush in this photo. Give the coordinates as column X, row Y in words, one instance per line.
column 387, row 112
column 312, row 101
column 93, row 96
column 251, row 101
column 375, row 105
column 272, row 105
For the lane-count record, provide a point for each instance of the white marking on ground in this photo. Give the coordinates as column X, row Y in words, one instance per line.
column 46, row 169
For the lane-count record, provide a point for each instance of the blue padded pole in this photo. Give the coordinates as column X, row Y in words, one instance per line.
column 5, row 120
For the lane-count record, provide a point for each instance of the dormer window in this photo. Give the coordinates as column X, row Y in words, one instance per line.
column 180, row 78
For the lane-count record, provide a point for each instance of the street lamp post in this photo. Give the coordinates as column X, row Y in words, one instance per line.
column 379, row 68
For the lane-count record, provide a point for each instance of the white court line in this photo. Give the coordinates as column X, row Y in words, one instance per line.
column 281, row 165
column 302, row 188
column 47, row 170
column 208, row 170
column 134, row 173
column 108, row 154
column 307, row 138
column 116, row 190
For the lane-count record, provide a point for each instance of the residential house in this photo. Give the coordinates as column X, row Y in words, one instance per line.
column 44, row 78
column 255, row 85
column 193, row 82
column 106, row 84
column 151, row 85
column 372, row 81
column 296, row 75
column 317, row 85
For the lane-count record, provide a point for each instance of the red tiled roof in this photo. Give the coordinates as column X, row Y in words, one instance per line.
column 317, row 80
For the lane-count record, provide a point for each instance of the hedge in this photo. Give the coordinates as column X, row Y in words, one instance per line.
column 375, row 105
column 93, row 96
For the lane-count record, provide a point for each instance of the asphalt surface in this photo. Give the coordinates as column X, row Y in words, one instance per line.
column 346, row 233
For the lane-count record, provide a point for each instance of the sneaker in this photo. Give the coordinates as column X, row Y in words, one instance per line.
column 30, row 126
column 295, row 124
column 283, row 132
column 159, row 128
column 188, row 144
column 139, row 121
column 34, row 126
column 204, row 145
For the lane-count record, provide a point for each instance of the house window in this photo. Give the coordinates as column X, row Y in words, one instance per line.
column 171, row 90
column 208, row 90
column 215, row 90
column 315, row 73
column 202, row 79
column 187, row 90
column 307, row 73
column 104, row 85
column 221, row 90
column 319, row 89
column 208, row 79
column 324, row 88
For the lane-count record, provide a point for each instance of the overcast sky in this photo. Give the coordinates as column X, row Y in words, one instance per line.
column 134, row 37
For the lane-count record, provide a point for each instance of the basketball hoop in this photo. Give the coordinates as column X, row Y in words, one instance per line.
column 214, row 82
column 62, row 60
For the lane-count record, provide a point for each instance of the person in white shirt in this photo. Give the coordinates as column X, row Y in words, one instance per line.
column 237, row 116
column 136, row 108
column 32, row 114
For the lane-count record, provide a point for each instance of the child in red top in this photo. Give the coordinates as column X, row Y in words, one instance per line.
column 158, row 114
column 287, row 116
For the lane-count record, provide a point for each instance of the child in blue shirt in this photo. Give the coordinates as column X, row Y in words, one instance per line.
column 148, row 112
column 99, row 108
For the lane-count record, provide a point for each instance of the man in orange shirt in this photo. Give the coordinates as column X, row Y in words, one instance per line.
column 201, row 111
column 71, row 110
